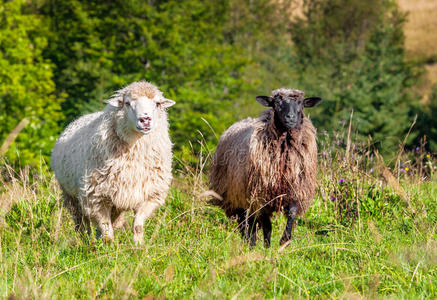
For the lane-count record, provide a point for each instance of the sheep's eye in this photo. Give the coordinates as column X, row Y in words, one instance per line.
column 127, row 103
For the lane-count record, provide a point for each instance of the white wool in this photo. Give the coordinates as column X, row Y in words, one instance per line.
column 100, row 162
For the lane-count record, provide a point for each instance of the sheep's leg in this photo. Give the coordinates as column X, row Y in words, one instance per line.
column 247, row 226
column 266, row 225
column 102, row 219
column 85, row 226
column 141, row 214
column 252, row 231
column 242, row 223
column 81, row 222
column 291, row 214
column 117, row 218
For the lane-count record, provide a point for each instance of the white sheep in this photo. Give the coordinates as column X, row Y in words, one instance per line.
column 116, row 160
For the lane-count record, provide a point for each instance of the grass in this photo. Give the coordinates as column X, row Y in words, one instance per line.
column 376, row 239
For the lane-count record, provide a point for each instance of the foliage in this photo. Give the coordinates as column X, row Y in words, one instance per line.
column 352, row 54
column 26, row 85
column 427, row 122
column 179, row 45
column 352, row 200
column 213, row 58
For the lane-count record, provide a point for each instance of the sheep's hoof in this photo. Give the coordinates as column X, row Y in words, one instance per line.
column 120, row 223
column 284, row 242
column 108, row 240
column 138, row 240
column 138, row 235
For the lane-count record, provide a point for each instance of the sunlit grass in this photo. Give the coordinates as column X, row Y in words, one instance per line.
column 385, row 247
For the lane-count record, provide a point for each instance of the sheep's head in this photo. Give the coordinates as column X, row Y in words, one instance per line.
column 288, row 105
column 142, row 103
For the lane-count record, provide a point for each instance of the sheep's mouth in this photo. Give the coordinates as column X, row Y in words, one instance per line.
column 290, row 125
column 144, row 130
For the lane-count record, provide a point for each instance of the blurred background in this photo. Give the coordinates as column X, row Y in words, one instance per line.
column 374, row 62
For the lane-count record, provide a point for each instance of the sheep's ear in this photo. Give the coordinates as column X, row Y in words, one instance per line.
column 311, row 101
column 265, row 100
column 167, row 103
column 116, row 102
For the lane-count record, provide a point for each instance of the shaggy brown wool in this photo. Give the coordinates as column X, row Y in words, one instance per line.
column 256, row 167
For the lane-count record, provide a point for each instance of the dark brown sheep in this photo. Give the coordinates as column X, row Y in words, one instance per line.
column 267, row 164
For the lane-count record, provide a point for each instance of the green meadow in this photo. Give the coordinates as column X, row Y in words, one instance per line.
column 369, row 235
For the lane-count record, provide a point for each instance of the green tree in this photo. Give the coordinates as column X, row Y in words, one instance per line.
column 427, row 122
column 99, row 46
column 26, row 85
column 352, row 54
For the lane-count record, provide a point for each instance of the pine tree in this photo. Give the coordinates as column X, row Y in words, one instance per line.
column 351, row 53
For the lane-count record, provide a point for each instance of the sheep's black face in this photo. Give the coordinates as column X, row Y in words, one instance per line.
column 289, row 112
column 288, row 108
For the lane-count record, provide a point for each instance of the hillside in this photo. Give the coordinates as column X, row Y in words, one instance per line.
column 421, row 34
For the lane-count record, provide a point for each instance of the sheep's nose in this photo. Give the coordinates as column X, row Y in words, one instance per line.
column 145, row 120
